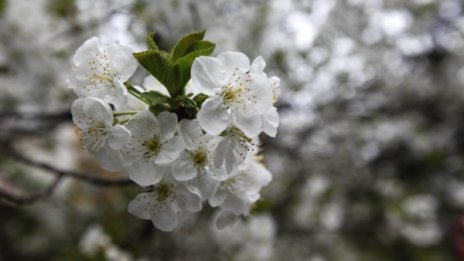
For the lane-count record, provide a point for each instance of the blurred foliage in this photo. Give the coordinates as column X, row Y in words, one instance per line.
column 367, row 164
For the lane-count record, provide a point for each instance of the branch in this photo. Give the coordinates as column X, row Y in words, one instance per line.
column 92, row 179
column 18, row 199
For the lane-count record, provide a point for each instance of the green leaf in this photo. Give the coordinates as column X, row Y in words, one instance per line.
column 159, row 64
column 3, row 4
column 181, row 48
column 200, row 98
column 155, row 97
column 151, row 44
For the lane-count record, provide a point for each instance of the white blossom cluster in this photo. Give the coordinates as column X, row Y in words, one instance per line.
column 178, row 162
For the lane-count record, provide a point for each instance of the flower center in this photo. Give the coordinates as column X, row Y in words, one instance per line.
column 153, row 146
column 231, row 94
column 164, row 191
column 199, row 157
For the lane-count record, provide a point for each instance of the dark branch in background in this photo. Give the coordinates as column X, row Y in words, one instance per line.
column 19, row 199
column 59, row 173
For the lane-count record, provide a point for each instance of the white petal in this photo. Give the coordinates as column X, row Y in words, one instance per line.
column 183, row 169
column 119, row 136
column 220, row 152
column 208, row 74
column 141, row 205
column 225, row 219
column 86, row 111
column 150, row 83
column 233, row 61
column 145, row 173
column 218, row 197
column 191, row 132
column 122, row 61
column 110, row 159
column 271, row 122
column 188, row 201
column 275, row 83
column 261, row 88
column 258, row 65
column 88, row 49
column 170, row 150
column 143, row 125
column 168, row 124
column 202, row 185
column 250, row 125
column 236, row 205
column 213, row 116
column 164, row 218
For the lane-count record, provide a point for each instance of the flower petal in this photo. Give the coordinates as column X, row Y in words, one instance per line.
column 191, row 132
column 188, row 201
column 218, row 197
column 220, row 152
column 168, row 124
column 122, row 61
column 170, row 151
column 250, row 125
column 271, row 122
column 258, row 65
column 110, row 159
column 183, row 169
column 213, row 116
column 119, row 136
column 88, row 111
column 145, row 173
column 165, row 217
column 88, row 49
column 233, row 61
column 141, row 205
column 143, row 125
column 224, row 219
column 208, row 74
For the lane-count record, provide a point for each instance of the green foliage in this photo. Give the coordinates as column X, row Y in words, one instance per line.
column 151, row 44
column 173, row 69
column 3, row 4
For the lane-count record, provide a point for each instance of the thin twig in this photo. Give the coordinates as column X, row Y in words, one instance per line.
column 32, row 198
column 95, row 180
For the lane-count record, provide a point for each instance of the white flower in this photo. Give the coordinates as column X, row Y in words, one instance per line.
column 165, row 203
column 239, row 93
column 100, row 137
column 153, row 145
column 198, row 154
column 100, row 71
column 237, row 192
column 234, row 149
column 271, row 118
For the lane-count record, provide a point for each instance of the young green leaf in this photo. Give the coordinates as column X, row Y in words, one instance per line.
column 151, row 44
column 155, row 97
column 159, row 64
column 200, row 98
column 181, row 48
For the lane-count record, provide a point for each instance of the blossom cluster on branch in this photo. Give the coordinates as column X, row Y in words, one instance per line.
column 188, row 135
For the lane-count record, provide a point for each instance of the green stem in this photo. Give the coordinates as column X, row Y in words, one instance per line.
column 136, row 93
column 122, row 113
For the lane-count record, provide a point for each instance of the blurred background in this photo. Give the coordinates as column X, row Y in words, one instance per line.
column 368, row 161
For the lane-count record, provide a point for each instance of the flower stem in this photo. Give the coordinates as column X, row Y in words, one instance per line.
column 122, row 113
column 136, row 93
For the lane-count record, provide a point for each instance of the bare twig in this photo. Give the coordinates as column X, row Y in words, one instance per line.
column 95, row 180
column 19, row 199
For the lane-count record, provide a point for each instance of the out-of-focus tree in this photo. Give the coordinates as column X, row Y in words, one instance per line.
column 367, row 164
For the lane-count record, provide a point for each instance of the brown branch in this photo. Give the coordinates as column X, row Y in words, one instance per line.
column 19, row 199
column 95, row 180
